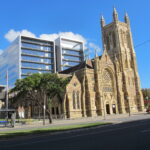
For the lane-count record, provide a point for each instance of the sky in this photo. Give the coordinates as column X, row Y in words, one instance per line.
column 79, row 19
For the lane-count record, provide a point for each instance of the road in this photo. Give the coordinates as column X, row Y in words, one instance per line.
column 125, row 136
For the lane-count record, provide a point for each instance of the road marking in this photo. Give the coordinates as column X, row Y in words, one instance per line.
column 73, row 136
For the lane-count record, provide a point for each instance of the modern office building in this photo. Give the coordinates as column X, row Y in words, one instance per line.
column 37, row 56
column 69, row 53
column 28, row 55
column 25, row 56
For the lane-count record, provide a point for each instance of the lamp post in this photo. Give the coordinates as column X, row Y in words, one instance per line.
column 103, row 107
column 128, row 106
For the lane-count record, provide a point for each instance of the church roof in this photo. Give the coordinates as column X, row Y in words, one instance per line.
column 86, row 64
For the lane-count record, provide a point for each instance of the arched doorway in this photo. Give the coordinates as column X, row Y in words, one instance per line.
column 108, row 91
column 114, row 108
column 107, row 109
column 67, row 107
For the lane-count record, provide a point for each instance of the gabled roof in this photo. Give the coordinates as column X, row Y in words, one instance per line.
column 86, row 64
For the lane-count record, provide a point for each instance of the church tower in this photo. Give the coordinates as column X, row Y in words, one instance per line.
column 118, row 44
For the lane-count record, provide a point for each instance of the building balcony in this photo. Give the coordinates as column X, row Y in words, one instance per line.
column 36, row 62
column 39, row 69
column 24, row 54
column 36, row 49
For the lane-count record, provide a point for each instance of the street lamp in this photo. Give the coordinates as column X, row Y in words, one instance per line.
column 128, row 106
column 103, row 107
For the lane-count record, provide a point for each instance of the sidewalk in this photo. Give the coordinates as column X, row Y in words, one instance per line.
column 112, row 119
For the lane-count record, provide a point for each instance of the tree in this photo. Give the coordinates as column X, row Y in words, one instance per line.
column 146, row 93
column 40, row 89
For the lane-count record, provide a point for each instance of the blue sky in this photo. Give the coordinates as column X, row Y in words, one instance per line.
column 79, row 17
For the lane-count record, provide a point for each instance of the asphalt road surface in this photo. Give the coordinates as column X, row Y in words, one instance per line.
column 126, row 136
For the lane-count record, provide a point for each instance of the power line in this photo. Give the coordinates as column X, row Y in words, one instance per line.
column 145, row 42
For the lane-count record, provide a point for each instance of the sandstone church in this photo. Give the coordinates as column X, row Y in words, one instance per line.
column 108, row 84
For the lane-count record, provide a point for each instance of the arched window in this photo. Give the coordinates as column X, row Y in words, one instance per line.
column 108, row 42
column 78, row 100
column 129, row 80
column 114, row 39
column 133, row 81
column 128, row 40
column 106, row 58
column 126, row 63
column 131, row 63
column 74, row 99
column 107, row 81
column 122, row 38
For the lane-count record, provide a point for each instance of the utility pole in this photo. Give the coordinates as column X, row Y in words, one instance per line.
column 6, row 94
column 7, row 90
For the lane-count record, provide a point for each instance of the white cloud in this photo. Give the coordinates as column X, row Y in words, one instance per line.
column 49, row 36
column 94, row 46
column 1, row 51
column 12, row 34
column 70, row 35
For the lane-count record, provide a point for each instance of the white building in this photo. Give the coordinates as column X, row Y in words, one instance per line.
column 69, row 53
column 28, row 55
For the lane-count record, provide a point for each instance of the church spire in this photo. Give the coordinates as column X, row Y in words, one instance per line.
column 126, row 18
column 115, row 15
column 102, row 21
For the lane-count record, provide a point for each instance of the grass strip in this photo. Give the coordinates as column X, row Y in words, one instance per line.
column 14, row 133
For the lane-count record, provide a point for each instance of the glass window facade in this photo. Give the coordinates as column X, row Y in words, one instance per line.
column 36, row 66
column 67, row 63
column 36, row 46
column 71, row 58
column 69, row 53
column 37, row 56
column 65, row 67
column 37, row 59
column 37, row 53
column 9, row 60
column 31, row 55
column 30, row 71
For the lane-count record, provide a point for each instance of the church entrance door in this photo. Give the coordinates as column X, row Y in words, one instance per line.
column 114, row 108
column 107, row 109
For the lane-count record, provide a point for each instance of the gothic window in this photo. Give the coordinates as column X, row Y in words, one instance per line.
column 128, row 40
column 106, row 58
column 78, row 100
column 74, row 99
column 131, row 65
column 133, row 81
column 122, row 38
column 114, row 39
column 108, row 43
column 126, row 63
column 129, row 80
column 107, row 82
